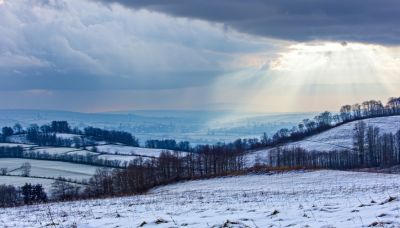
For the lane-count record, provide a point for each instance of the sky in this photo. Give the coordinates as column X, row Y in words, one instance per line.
column 255, row 56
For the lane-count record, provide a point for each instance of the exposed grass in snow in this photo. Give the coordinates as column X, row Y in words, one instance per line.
column 294, row 199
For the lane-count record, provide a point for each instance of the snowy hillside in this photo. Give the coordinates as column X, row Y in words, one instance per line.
column 337, row 138
column 130, row 150
column 48, row 169
column 296, row 199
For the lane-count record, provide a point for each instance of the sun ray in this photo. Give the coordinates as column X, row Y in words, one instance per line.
column 314, row 76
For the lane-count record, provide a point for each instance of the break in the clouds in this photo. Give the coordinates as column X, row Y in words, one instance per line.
column 299, row 20
column 278, row 55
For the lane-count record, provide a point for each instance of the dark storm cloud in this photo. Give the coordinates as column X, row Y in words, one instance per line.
column 300, row 20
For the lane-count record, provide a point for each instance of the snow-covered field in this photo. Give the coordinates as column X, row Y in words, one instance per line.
column 55, row 150
column 67, row 136
column 338, row 138
column 295, row 199
column 129, row 150
column 52, row 169
column 82, row 153
column 20, row 181
column 16, row 144
column 122, row 158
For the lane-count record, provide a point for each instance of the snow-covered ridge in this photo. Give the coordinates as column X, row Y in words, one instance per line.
column 337, row 138
column 296, row 199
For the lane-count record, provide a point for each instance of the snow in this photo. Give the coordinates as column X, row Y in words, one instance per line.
column 122, row 158
column 129, row 150
column 20, row 181
column 82, row 152
column 15, row 145
column 52, row 169
column 67, row 136
column 337, row 138
column 342, row 136
column 297, row 199
column 55, row 150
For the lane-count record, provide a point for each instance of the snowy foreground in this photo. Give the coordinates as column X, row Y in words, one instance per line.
column 295, row 199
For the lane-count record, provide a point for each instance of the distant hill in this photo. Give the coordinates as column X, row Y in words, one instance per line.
column 197, row 127
column 337, row 138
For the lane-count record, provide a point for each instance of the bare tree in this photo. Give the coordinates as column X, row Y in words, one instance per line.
column 3, row 171
column 26, row 169
column 62, row 190
column 359, row 140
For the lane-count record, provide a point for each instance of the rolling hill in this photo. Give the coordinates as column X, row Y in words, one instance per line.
column 337, row 138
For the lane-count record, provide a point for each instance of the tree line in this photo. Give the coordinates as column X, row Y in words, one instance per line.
column 371, row 148
column 111, row 136
column 325, row 121
column 27, row 194
column 168, row 144
column 142, row 174
column 46, row 135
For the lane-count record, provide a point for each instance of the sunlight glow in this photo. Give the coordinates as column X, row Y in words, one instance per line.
column 315, row 76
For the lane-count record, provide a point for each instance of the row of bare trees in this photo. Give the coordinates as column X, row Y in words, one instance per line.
column 299, row 158
column 145, row 173
column 371, row 149
column 371, row 108
column 374, row 148
column 327, row 120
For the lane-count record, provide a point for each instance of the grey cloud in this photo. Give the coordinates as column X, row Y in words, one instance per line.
column 298, row 20
column 78, row 45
